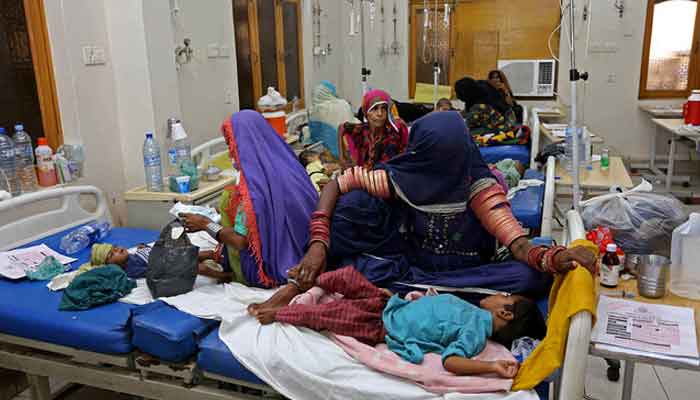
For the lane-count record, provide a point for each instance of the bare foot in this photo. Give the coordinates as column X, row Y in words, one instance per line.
column 278, row 300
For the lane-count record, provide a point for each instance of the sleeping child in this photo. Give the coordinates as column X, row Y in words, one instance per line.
column 443, row 324
column 135, row 262
column 319, row 172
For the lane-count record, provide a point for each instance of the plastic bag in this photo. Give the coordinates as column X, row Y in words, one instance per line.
column 172, row 264
column 273, row 100
column 641, row 222
column 205, row 211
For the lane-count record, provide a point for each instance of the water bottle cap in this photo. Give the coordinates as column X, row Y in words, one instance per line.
column 19, row 127
column 612, row 247
column 42, row 141
column 149, row 135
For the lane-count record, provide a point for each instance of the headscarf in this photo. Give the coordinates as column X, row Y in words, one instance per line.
column 473, row 92
column 276, row 195
column 326, row 114
column 376, row 97
column 440, row 163
column 98, row 256
column 325, row 91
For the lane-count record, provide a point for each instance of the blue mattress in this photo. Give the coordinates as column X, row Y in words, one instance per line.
column 166, row 332
column 29, row 310
column 494, row 154
column 527, row 204
column 215, row 357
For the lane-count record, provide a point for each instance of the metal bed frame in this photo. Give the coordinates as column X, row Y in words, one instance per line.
column 142, row 375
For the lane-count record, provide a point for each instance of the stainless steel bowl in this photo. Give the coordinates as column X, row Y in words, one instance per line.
column 211, row 174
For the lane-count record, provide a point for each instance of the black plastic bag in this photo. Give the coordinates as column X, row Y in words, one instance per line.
column 172, row 264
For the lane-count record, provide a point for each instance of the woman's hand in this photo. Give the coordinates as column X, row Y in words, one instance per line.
column 569, row 258
column 194, row 222
column 313, row 263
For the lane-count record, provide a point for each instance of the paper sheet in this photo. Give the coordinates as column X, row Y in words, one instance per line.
column 14, row 264
column 651, row 328
column 425, row 91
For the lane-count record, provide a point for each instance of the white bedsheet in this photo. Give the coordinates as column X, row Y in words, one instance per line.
column 300, row 363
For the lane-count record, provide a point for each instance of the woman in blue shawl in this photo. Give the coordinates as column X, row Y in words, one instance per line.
column 430, row 216
column 269, row 211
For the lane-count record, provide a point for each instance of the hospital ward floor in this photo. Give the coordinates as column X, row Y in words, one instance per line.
column 650, row 383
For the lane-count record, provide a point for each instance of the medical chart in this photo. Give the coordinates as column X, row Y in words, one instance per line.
column 15, row 264
column 651, row 328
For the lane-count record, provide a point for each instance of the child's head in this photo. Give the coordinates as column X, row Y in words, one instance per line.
column 307, row 157
column 514, row 317
column 103, row 253
column 444, row 104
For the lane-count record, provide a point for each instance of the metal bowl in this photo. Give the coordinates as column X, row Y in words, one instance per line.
column 211, row 174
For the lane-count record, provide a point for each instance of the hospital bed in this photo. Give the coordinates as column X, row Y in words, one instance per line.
column 152, row 351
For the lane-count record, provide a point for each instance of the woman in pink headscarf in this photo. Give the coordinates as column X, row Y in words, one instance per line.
column 381, row 137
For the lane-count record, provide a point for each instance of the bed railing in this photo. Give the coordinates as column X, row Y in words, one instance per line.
column 33, row 216
column 573, row 372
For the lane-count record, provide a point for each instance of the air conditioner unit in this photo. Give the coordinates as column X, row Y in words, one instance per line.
column 530, row 78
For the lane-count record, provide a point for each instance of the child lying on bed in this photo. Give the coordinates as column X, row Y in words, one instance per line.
column 319, row 172
column 443, row 324
column 135, row 263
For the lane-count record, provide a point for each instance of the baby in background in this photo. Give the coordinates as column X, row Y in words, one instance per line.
column 442, row 324
column 319, row 172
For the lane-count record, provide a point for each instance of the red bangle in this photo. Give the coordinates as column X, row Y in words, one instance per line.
column 320, row 214
column 534, row 256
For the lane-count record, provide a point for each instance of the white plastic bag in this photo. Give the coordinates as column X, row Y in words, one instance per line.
column 272, row 100
column 641, row 222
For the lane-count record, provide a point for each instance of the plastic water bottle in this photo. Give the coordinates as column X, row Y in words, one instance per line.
column 569, row 150
column 180, row 149
column 152, row 165
column 25, row 159
column 8, row 169
column 84, row 236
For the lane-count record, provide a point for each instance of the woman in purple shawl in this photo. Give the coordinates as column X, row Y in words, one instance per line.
column 268, row 212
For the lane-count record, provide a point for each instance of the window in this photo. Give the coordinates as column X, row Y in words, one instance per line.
column 268, row 49
column 670, row 58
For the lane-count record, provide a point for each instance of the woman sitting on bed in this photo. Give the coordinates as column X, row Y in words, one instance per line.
column 378, row 139
column 490, row 118
column 498, row 80
column 429, row 216
column 266, row 217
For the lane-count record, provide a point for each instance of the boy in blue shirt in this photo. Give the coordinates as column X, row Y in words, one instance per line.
column 443, row 324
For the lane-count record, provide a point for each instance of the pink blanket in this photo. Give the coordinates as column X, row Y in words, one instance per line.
column 430, row 374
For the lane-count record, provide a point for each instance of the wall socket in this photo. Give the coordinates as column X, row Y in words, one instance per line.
column 94, row 55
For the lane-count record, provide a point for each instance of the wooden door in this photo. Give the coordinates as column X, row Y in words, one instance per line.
column 269, row 49
column 27, row 86
column 489, row 30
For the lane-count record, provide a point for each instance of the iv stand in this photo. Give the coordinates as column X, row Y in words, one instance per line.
column 436, row 64
column 574, row 77
column 365, row 72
